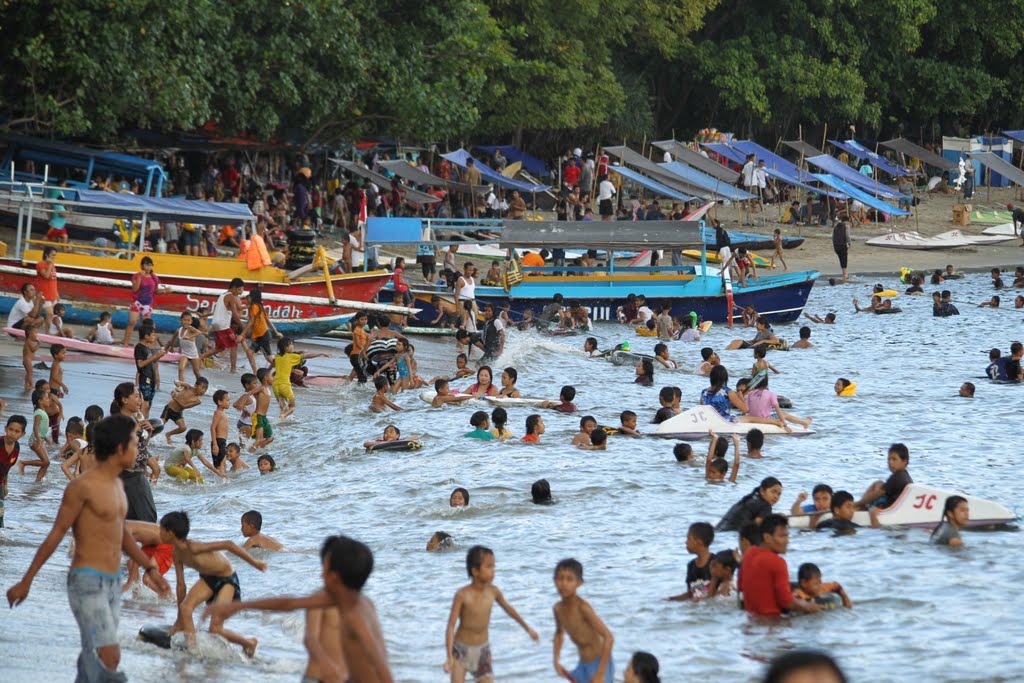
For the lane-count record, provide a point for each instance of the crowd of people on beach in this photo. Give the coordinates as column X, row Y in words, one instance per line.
column 97, row 450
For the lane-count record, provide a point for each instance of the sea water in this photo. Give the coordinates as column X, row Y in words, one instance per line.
column 920, row 612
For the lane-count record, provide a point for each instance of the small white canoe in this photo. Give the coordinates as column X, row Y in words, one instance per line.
column 110, row 350
column 977, row 240
column 921, row 506
column 700, row 421
column 428, row 397
column 915, row 240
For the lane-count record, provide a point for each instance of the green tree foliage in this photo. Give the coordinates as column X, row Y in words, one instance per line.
column 431, row 71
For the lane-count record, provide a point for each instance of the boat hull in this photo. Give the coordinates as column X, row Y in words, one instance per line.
column 780, row 298
column 191, row 272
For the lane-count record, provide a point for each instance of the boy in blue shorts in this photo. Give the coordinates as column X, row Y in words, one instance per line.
column 575, row 616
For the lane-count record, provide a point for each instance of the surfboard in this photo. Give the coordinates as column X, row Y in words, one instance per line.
column 110, row 350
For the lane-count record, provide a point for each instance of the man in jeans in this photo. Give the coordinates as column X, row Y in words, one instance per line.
column 94, row 507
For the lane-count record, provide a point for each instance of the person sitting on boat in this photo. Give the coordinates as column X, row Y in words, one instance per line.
column 883, row 494
column 761, row 402
column 764, row 337
column 749, row 315
column 493, row 278
column 723, row 399
column 955, row 515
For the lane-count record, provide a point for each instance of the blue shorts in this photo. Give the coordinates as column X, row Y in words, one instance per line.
column 585, row 671
column 190, row 238
column 147, row 391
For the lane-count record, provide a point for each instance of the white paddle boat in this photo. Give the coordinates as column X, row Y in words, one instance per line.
column 700, row 421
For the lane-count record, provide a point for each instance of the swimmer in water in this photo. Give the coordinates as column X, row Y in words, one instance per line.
column 459, row 498
column 380, row 400
column 812, row 589
column 598, row 441
column 645, row 373
column 440, row 541
column 391, row 433
column 627, row 423
column 967, row 390
column 509, row 376
column 265, row 464
column 991, row 303
column 587, row 426
column 715, row 465
column 534, row 429
column 829, row 319
column 711, row 359
column 955, row 516
column 252, row 525
column 845, row 387
column 444, row 394
column 661, row 355
column 805, row 339
column 499, row 418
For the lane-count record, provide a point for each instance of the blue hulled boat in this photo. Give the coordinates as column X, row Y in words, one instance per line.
column 701, row 288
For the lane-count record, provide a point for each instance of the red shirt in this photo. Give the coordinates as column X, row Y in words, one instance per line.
column 47, row 286
column 572, row 174
column 764, row 582
column 7, row 460
column 531, row 438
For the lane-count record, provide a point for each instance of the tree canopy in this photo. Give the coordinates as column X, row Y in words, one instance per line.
column 544, row 68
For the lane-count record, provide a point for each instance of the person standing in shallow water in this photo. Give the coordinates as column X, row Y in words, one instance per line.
column 841, row 244
column 94, row 507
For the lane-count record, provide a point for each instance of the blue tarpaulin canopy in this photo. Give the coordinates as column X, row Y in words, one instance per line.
column 158, row 209
column 531, row 163
column 854, row 193
column 91, row 161
column 1017, row 135
column 706, row 182
column 726, row 151
column 652, row 185
column 770, row 158
column 459, row 158
column 859, row 151
column 839, row 169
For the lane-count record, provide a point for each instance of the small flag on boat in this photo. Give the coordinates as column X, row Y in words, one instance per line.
column 513, row 273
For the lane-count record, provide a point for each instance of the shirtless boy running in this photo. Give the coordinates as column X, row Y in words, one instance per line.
column 94, row 507
column 468, row 650
column 218, row 581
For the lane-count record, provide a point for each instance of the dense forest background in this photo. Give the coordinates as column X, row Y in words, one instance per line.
column 541, row 73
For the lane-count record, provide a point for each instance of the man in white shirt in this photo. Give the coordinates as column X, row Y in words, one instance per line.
column 605, row 196
column 27, row 310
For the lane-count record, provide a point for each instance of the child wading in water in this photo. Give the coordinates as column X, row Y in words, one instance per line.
column 467, row 648
column 285, row 361
column 575, row 616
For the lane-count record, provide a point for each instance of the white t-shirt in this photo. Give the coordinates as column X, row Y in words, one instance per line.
column 760, row 177
column 606, row 190
column 645, row 314
column 748, row 174
column 19, row 310
column 668, row 158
